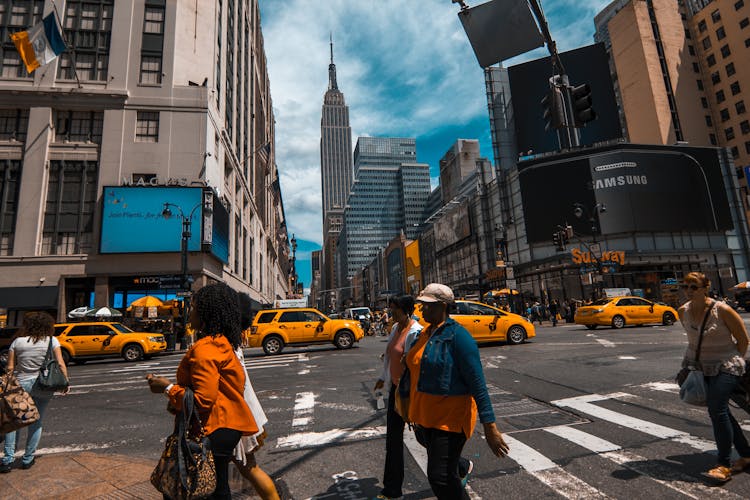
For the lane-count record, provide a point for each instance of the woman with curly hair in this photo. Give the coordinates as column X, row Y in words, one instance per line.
column 27, row 352
column 211, row 369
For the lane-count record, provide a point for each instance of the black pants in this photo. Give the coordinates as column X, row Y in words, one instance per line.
column 443, row 461
column 223, row 442
column 393, row 475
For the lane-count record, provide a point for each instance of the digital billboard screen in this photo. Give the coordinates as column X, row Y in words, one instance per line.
column 132, row 220
column 220, row 231
column 529, row 83
column 644, row 189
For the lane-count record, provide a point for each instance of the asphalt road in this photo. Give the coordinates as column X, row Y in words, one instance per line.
column 588, row 414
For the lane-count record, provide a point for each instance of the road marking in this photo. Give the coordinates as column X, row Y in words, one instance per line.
column 626, row 357
column 584, row 404
column 315, row 439
column 664, row 475
column 304, row 405
column 606, row 343
column 549, row 473
column 670, row 387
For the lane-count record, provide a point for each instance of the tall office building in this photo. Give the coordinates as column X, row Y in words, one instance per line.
column 153, row 102
column 335, row 168
column 655, row 70
column 388, row 197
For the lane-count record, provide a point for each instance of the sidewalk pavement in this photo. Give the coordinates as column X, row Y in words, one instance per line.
column 91, row 475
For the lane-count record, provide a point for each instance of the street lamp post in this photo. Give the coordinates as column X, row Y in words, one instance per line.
column 592, row 215
column 185, row 282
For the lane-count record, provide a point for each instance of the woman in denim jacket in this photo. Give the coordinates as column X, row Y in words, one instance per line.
column 447, row 394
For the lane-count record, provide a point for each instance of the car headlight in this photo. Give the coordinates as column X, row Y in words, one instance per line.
column 156, row 339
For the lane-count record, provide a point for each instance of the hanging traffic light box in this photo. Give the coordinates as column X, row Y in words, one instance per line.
column 554, row 109
column 582, row 110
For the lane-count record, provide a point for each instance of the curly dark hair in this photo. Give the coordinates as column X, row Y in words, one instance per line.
column 245, row 304
column 403, row 302
column 218, row 309
column 38, row 325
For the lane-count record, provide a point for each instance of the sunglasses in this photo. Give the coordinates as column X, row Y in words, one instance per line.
column 691, row 287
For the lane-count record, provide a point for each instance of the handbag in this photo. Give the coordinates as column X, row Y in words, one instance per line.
column 401, row 396
column 51, row 376
column 186, row 468
column 692, row 382
column 17, row 407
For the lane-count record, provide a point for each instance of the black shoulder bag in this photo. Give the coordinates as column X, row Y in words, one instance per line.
column 51, row 376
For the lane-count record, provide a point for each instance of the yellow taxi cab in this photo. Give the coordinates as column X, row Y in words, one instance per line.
column 486, row 323
column 618, row 312
column 272, row 329
column 79, row 341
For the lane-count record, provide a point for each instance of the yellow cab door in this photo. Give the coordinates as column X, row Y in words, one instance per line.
column 292, row 324
column 112, row 339
column 315, row 327
column 624, row 307
column 476, row 319
column 85, row 339
column 492, row 325
column 645, row 310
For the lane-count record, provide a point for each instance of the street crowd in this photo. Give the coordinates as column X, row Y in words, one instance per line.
column 433, row 377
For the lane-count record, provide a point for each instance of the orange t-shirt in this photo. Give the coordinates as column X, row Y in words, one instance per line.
column 446, row 413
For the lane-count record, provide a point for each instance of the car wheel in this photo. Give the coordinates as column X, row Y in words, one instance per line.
column 344, row 340
column 591, row 327
column 667, row 319
column 618, row 322
column 516, row 335
column 273, row 344
column 132, row 352
column 65, row 356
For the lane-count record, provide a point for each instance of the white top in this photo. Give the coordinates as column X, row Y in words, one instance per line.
column 29, row 356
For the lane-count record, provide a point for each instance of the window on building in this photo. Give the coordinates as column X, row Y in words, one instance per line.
column 13, row 124
column 730, row 69
column 700, row 84
column 747, row 42
column 696, row 68
column 691, row 50
column 710, row 60
column 721, row 34
column 725, row 52
column 78, row 126
column 720, row 97
column 729, row 133
column 716, row 16
column 88, row 28
column 71, row 203
column 715, row 77
column 739, row 106
column 735, row 88
column 704, row 103
column 735, row 152
column 739, row 4
column 709, row 122
column 744, row 23
column 147, row 126
column 745, row 127
column 712, row 139
column 702, row 27
column 706, row 42
column 152, row 44
column 747, row 147
column 16, row 16
column 724, row 114
column 10, row 175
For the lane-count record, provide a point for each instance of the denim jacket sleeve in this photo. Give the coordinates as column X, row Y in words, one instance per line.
column 470, row 368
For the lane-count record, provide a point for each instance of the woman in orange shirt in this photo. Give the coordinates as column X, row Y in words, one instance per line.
column 216, row 376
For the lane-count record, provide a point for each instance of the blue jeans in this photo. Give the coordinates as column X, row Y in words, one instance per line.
column 41, row 400
column 726, row 429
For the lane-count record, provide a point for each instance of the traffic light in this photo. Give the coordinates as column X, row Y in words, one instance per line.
column 558, row 240
column 554, row 109
column 582, row 111
column 567, row 233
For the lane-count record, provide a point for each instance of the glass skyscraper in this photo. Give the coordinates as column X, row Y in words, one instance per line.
column 388, row 196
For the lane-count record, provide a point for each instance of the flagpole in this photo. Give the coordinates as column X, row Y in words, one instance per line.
column 72, row 47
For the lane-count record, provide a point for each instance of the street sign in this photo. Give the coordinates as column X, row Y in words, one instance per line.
column 595, row 249
column 511, row 284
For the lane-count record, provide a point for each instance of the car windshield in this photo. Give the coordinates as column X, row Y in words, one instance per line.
column 121, row 328
column 601, row 302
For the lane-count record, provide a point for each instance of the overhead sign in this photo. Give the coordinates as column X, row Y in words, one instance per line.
column 585, row 257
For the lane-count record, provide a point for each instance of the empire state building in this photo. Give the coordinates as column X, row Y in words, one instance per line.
column 335, row 169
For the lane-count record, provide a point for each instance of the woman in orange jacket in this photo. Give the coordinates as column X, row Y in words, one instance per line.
column 211, row 368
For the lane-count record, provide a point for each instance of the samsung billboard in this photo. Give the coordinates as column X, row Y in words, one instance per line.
column 133, row 221
column 644, row 189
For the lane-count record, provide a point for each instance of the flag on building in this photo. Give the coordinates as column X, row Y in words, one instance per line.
column 41, row 44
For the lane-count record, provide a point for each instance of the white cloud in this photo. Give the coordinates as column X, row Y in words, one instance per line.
column 406, row 69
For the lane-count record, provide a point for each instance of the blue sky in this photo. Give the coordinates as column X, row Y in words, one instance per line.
column 406, row 70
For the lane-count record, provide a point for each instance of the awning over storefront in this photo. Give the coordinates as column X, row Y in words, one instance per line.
column 29, row 297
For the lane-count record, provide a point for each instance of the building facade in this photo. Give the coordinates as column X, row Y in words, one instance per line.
column 335, row 169
column 134, row 102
